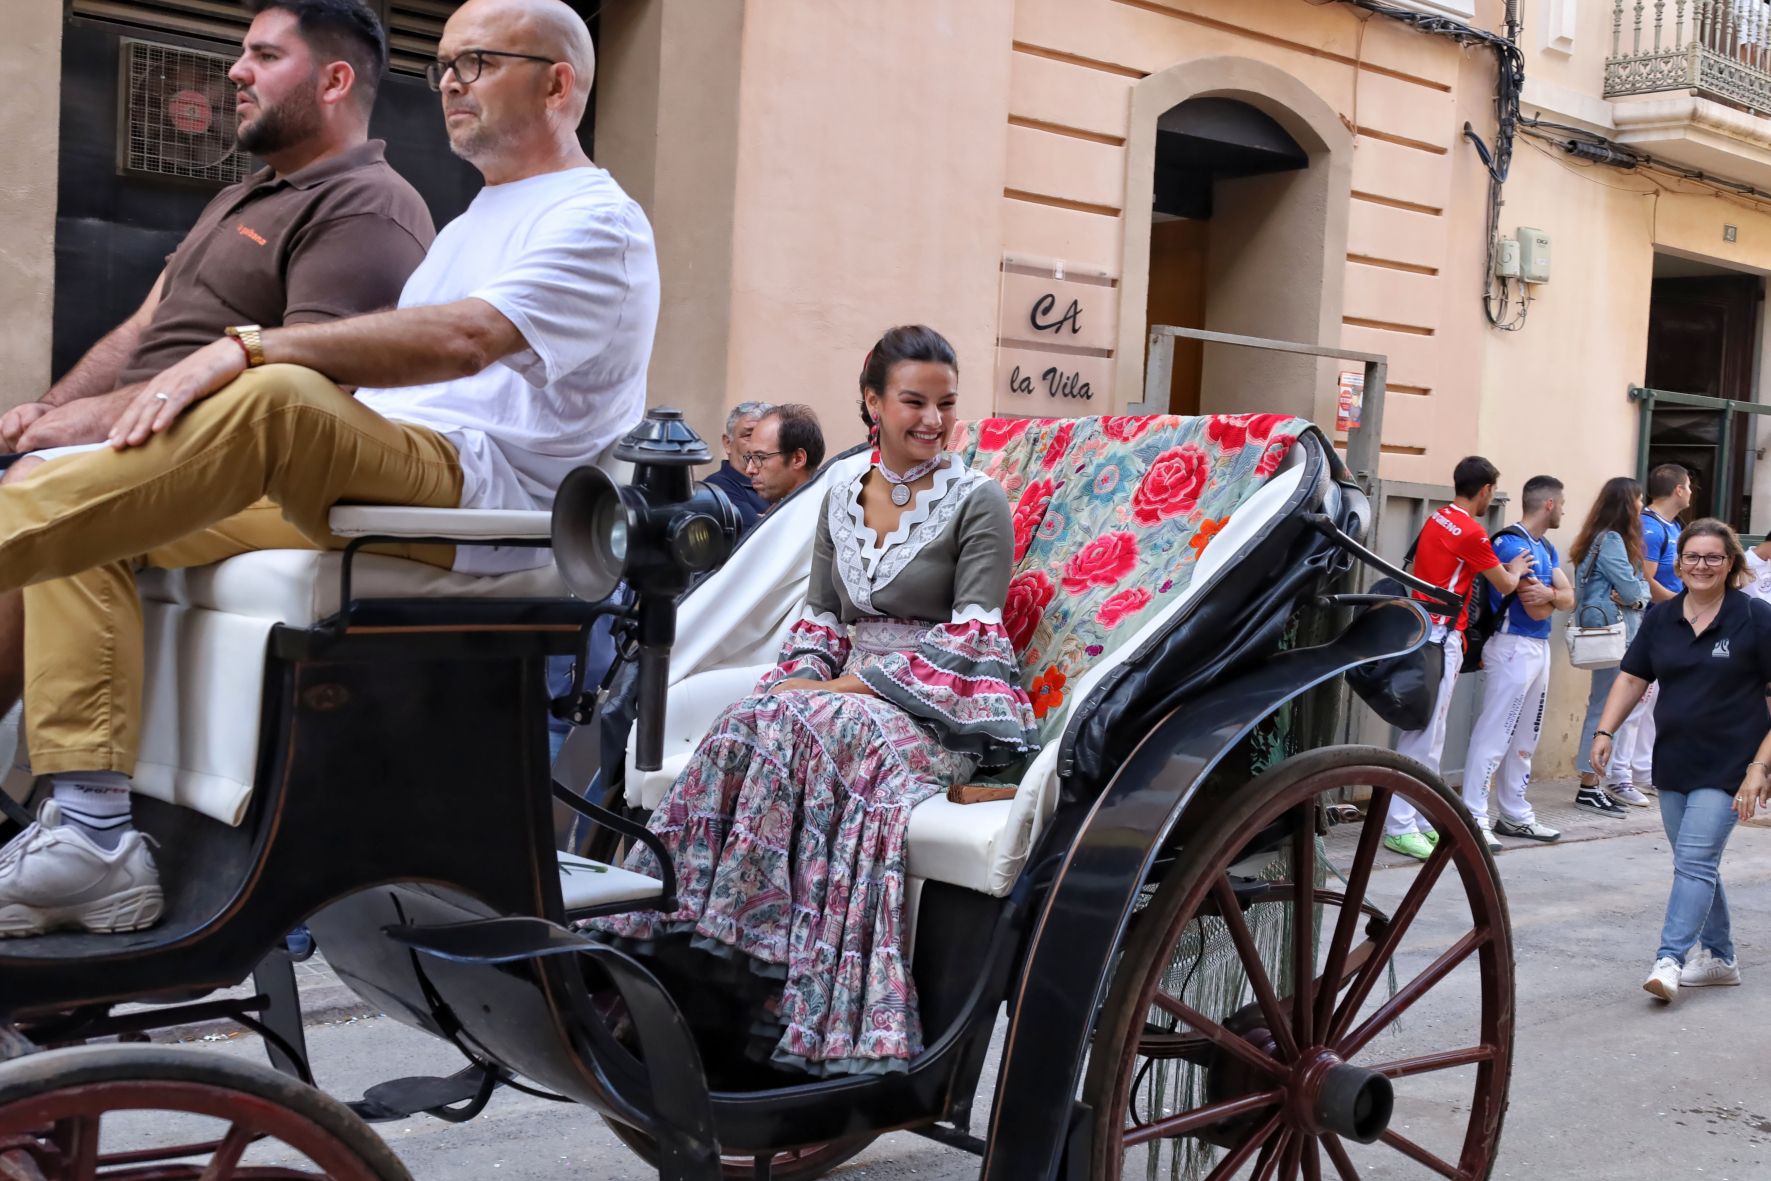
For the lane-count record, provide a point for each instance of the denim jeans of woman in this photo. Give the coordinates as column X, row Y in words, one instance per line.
column 1603, row 679
column 1697, row 826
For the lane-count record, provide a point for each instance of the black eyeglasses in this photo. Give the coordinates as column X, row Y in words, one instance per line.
column 469, row 63
column 758, row 458
column 1710, row 560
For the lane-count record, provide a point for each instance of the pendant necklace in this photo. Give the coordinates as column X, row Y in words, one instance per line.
column 901, row 484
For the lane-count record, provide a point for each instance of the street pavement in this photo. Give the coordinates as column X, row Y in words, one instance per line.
column 1607, row 1083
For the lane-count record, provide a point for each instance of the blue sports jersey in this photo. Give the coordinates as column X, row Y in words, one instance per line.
column 1660, row 548
column 1509, row 543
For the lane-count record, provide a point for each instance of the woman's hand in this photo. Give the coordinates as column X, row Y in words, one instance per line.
column 1755, row 790
column 1601, row 754
column 839, row 685
column 798, row 685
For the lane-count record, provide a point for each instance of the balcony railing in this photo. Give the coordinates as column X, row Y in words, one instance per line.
column 1719, row 48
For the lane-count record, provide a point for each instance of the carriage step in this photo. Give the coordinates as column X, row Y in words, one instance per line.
column 402, row 1097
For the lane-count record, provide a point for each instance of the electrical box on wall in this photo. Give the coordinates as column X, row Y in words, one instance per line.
column 1506, row 258
column 1534, row 255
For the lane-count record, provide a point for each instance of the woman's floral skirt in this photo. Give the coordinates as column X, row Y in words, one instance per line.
column 787, row 830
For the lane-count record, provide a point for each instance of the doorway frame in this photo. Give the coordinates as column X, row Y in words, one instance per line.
column 1316, row 127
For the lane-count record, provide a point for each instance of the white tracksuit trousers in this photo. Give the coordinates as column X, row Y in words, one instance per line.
column 1428, row 745
column 1632, row 751
column 1508, row 726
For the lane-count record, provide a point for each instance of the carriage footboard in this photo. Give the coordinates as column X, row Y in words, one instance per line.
column 688, row 1145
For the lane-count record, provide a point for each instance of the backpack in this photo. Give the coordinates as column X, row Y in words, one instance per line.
column 1486, row 620
column 1483, row 621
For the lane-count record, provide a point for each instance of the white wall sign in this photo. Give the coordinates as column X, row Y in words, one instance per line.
column 1055, row 343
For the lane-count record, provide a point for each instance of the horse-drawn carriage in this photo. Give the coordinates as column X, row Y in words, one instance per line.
column 1174, row 901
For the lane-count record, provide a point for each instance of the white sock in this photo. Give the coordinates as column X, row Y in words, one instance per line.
column 96, row 802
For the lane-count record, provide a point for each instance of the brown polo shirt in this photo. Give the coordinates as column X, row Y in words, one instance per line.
column 337, row 238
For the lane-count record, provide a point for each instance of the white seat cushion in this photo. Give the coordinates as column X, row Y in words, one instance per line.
column 300, row 587
column 206, row 635
column 585, row 883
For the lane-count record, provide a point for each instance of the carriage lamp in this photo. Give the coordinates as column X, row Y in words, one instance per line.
column 656, row 534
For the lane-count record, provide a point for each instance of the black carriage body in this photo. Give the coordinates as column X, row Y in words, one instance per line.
column 404, row 784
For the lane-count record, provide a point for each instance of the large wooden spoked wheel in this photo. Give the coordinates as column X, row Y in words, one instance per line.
column 54, row 1108
column 1311, row 1074
column 795, row 1164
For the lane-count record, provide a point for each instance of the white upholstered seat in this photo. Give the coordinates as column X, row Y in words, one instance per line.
column 207, row 627
column 730, row 629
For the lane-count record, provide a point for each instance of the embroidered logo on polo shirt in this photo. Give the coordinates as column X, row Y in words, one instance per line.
column 1721, row 648
column 247, row 231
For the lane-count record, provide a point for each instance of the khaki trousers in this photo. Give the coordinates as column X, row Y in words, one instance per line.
column 258, row 465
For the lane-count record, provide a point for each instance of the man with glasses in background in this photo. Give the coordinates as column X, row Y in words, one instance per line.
column 786, row 451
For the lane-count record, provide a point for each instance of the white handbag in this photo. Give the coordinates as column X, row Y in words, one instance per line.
column 1594, row 647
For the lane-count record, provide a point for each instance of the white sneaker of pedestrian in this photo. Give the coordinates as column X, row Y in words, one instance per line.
column 1663, row 981
column 1488, row 838
column 1703, row 969
column 52, row 877
column 1534, row 831
column 1624, row 793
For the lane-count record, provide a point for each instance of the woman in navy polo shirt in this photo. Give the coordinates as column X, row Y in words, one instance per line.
column 1709, row 649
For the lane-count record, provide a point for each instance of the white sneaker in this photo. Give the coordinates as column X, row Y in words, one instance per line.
column 52, row 877
column 1703, row 969
column 1624, row 793
column 1663, row 981
column 1488, row 838
column 1531, row 831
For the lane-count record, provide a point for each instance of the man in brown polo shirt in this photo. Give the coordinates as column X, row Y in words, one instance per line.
column 328, row 230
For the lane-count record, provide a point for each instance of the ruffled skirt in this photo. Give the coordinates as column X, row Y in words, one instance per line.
column 788, row 830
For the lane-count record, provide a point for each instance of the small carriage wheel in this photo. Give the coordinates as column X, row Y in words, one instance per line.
column 795, row 1164
column 1286, row 1086
column 52, row 1105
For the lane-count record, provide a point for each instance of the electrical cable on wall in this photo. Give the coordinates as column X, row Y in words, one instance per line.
column 1497, row 158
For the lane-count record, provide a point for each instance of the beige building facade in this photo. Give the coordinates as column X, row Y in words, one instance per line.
column 1044, row 180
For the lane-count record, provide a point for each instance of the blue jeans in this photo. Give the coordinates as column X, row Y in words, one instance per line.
column 598, row 656
column 1697, row 826
column 1603, row 679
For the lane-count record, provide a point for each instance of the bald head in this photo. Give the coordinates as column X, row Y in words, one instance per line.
column 548, row 28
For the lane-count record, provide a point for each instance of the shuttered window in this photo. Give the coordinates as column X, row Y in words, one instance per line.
column 413, row 26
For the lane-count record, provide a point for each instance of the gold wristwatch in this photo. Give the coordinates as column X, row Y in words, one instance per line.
column 250, row 339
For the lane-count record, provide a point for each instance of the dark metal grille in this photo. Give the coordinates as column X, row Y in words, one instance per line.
column 413, row 26
column 176, row 115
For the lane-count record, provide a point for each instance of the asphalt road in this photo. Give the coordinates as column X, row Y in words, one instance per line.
column 1607, row 1083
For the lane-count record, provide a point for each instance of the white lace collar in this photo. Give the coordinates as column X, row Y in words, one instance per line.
column 865, row 561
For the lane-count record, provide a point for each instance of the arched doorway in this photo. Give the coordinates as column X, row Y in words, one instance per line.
column 1249, row 174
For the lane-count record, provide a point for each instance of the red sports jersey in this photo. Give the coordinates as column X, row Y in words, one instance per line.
column 1453, row 549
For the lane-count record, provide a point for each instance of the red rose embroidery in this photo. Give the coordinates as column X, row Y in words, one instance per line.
column 1102, row 562
column 996, row 433
column 1060, row 443
column 1029, row 511
column 1233, row 431
column 1124, row 428
column 1274, row 455
column 1117, row 607
column 1028, row 596
column 1172, row 485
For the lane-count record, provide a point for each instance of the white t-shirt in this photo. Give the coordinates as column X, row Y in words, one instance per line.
column 1760, row 586
column 568, row 258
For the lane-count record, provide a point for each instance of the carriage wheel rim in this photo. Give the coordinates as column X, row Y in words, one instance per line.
column 1310, row 1095
column 73, row 1115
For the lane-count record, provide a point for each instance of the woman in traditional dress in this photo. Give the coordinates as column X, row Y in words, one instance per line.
column 787, row 828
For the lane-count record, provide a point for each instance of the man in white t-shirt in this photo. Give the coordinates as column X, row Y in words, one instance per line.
column 518, row 352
